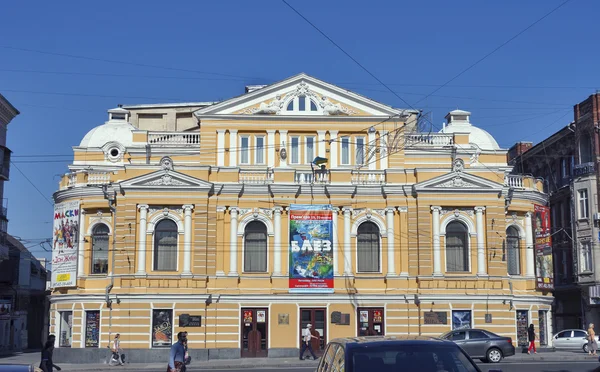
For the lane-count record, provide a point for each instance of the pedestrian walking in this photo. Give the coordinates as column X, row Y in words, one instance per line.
column 531, row 337
column 592, row 344
column 307, row 337
column 117, row 356
column 46, row 363
column 177, row 355
column 187, row 358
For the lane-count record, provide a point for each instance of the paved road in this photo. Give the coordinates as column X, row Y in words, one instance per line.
column 504, row 366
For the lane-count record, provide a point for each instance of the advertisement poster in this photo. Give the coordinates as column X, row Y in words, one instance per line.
column 247, row 317
column 461, row 319
column 377, row 318
column 65, row 238
column 162, row 327
column 260, row 316
column 311, row 248
column 92, row 328
column 364, row 316
column 522, row 324
column 544, row 270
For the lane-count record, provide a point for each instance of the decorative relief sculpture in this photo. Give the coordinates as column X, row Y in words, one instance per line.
column 270, row 108
column 330, row 108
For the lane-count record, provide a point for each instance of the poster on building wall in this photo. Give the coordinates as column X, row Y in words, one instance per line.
column 544, row 268
column 65, row 240
column 461, row 319
column 92, row 328
column 311, row 248
column 162, row 327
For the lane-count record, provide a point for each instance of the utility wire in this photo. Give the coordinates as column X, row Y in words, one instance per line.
column 32, row 184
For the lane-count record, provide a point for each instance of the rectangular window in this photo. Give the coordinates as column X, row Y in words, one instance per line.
column 162, row 327
column 259, row 151
column 564, row 162
column 345, row 150
column 461, row 319
column 244, row 150
column 310, row 149
column 360, row 150
column 66, row 328
column 92, row 328
column 584, row 211
column 295, row 155
column 586, row 257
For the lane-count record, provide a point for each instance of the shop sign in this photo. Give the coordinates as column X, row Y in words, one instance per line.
column 65, row 241
column 311, row 249
column 544, row 270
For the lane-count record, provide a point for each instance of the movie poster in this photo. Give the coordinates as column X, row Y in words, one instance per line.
column 65, row 240
column 162, row 327
column 92, row 328
column 311, row 248
column 544, row 269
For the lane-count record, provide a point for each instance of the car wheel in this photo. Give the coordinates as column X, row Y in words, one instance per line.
column 494, row 355
column 585, row 348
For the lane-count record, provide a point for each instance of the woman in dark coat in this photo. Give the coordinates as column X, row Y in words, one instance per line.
column 531, row 337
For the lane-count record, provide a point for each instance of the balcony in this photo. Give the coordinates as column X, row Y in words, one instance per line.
column 583, row 169
column 368, row 177
column 428, row 140
column 256, row 177
column 173, row 139
column 521, row 182
column 307, row 177
column 87, row 178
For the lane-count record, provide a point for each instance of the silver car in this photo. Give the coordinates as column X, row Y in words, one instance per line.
column 571, row 339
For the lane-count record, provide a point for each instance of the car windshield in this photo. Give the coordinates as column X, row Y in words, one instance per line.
column 418, row 358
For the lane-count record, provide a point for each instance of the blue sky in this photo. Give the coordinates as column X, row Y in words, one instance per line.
column 525, row 91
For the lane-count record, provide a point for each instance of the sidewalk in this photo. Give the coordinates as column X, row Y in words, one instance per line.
column 248, row 363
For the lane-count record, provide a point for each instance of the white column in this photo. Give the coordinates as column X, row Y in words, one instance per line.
column 283, row 144
column 271, row 147
column 371, row 147
column 437, row 254
column 383, row 149
column 277, row 248
column 187, row 239
column 321, row 145
column 347, row 242
column 233, row 150
column 141, row 259
column 391, row 267
column 333, row 150
column 220, row 147
column 334, row 241
column 233, row 212
column 81, row 245
column 481, row 264
column 529, row 251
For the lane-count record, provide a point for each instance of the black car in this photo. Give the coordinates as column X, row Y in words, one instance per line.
column 388, row 353
column 18, row 368
column 482, row 344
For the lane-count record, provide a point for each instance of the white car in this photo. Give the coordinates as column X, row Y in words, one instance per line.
column 572, row 339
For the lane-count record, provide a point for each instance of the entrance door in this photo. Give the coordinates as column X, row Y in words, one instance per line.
column 370, row 322
column 318, row 319
column 254, row 333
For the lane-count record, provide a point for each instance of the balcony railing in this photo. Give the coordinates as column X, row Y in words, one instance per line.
column 91, row 178
column 367, row 177
column 583, row 169
column 434, row 139
column 173, row 139
column 256, row 177
column 309, row 177
column 514, row 181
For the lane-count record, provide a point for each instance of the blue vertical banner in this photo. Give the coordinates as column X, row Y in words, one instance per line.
column 311, row 248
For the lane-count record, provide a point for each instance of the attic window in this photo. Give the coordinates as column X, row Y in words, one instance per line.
column 460, row 117
column 302, row 103
column 290, row 106
column 118, row 116
column 313, row 106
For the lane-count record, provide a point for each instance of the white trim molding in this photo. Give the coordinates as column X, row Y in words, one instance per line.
column 165, row 214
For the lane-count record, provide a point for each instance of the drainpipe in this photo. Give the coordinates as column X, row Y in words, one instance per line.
column 112, row 202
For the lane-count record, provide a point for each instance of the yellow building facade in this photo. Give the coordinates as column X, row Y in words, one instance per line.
column 184, row 225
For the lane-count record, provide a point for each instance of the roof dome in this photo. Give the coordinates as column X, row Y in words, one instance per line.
column 458, row 122
column 116, row 129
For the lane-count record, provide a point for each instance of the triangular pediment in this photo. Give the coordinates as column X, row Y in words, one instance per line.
column 166, row 179
column 283, row 99
column 458, row 181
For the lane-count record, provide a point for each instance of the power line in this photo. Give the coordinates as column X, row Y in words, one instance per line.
column 125, row 62
column 495, row 50
column 32, row 184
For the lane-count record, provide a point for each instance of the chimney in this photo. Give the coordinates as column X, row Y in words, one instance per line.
column 517, row 150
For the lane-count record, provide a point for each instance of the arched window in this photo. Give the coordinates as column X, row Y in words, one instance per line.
column 165, row 246
column 513, row 243
column 457, row 247
column 367, row 247
column 255, row 247
column 302, row 104
column 100, row 249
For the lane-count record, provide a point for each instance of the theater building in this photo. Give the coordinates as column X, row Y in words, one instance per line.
column 299, row 202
